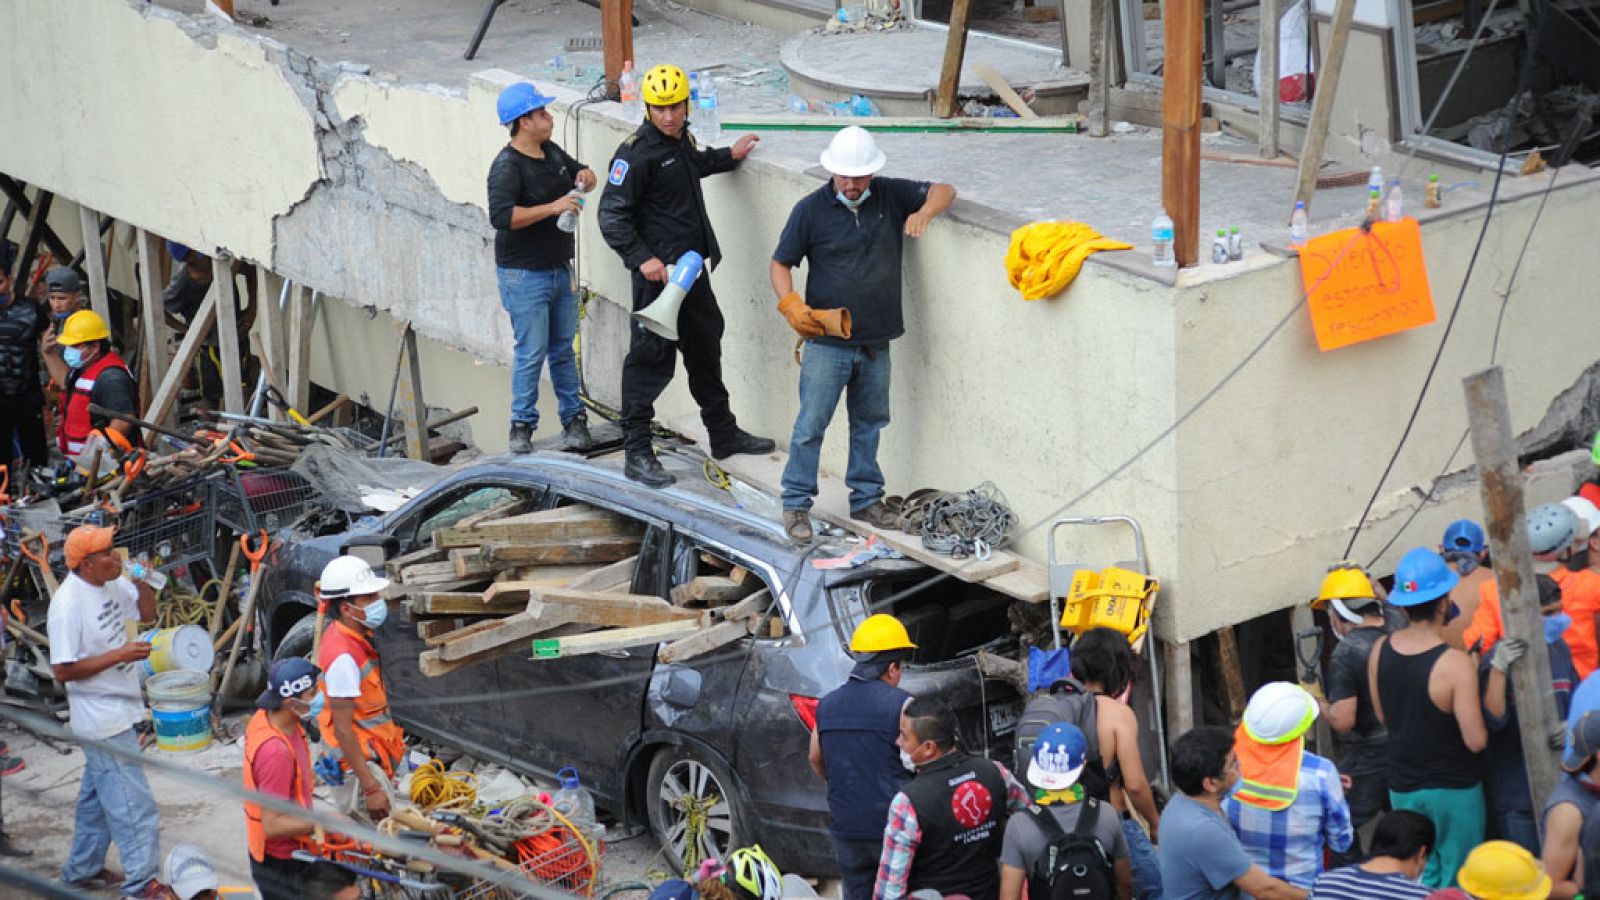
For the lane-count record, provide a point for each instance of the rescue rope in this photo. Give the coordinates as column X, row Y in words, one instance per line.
column 434, row 788
column 970, row 523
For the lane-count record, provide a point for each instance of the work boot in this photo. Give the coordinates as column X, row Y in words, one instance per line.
column 155, row 890
column 877, row 515
column 742, row 442
column 10, row 848
column 575, row 434
column 643, row 467
column 797, row 525
column 521, row 438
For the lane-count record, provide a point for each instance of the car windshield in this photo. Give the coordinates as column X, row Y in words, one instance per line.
column 946, row 619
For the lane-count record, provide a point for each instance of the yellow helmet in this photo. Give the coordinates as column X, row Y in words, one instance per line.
column 1501, row 870
column 1344, row 581
column 83, row 326
column 879, row 633
column 664, row 86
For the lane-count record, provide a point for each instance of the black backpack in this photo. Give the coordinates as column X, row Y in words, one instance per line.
column 1074, row 866
column 1066, row 701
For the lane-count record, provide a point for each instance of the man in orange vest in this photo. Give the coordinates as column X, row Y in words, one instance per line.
column 89, row 371
column 277, row 762
column 357, row 724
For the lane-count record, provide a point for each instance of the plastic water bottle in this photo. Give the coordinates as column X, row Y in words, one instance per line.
column 1235, row 244
column 1299, row 223
column 710, row 118
column 573, row 800
column 1393, row 210
column 1161, row 241
column 1219, row 247
column 1375, row 179
column 1434, row 198
column 628, row 91
column 694, row 90
column 568, row 221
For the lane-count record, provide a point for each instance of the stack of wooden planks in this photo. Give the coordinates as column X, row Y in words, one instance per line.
column 560, row 579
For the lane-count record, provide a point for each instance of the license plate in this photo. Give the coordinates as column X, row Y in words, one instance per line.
column 1004, row 717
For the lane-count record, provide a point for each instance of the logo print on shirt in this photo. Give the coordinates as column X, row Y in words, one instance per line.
column 668, row 161
column 619, row 171
column 971, row 804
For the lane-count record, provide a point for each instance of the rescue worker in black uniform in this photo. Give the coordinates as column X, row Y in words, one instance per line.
column 651, row 213
column 22, row 322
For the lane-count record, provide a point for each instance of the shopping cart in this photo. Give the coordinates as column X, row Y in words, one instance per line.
column 563, row 858
column 267, row 499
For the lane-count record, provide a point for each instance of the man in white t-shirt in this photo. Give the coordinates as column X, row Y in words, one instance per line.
column 92, row 655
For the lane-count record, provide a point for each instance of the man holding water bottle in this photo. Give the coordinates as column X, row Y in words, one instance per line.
column 535, row 194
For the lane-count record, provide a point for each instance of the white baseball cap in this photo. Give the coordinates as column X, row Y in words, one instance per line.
column 188, row 872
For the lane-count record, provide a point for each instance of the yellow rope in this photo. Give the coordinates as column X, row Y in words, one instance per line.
column 433, row 787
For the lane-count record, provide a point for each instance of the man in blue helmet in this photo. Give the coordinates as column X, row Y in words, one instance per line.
column 532, row 184
column 1426, row 692
column 1465, row 548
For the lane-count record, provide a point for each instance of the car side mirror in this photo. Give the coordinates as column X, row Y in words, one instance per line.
column 373, row 549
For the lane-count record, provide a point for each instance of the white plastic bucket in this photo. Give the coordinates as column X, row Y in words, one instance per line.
column 180, row 703
column 185, row 647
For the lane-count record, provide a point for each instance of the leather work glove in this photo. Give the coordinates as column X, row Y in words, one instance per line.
column 1508, row 652
column 800, row 316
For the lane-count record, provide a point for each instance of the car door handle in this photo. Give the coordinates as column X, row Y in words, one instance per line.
column 616, row 654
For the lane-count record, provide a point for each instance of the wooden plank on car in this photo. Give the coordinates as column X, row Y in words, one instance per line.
column 708, row 639
column 751, row 607
column 500, row 633
column 530, row 528
column 582, row 550
column 514, row 506
column 440, row 603
column 554, row 576
column 711, row 591
column 426, row 555
column 617, row 575
column 601, row 608
column 469, row 563
column 428, row 573
column 430, row 629
column 611, row 639
column 433, row 664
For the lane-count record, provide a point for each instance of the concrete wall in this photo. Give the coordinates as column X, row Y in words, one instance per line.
column 373, row 192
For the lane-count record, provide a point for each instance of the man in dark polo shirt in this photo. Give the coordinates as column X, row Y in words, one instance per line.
column 851, row 231
column 530, row 187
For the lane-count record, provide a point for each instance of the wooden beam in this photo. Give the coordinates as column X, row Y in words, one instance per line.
column 596, row 607
column 707, row 640
column 955, row 50
column 1327, row 88
column 1102, row 50
column 228, row 333
column 301, row 322
column 152, row 311
column 511, row 507
column 161, row 402
column 712, row 590
column 30, row 241
column 1002, row 88
column 269, row 325
column 1500, row 480
column 546, row 553
column 432, row 664
column 495, row 633
column 752, row 607
column 463, row 603
column 549, row 576
column 539, row 528
column 1180, row 689
column 469, row 563
column 17, row 194
column 611, row 639
column 618, row 575
column 1267, row 78
column 616, row 37
column 94, row 262
column 1232, row 674
column 1184, row 38
column 412, row 408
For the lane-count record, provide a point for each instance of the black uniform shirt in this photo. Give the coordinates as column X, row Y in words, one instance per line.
column 652, row 205
column 516, row 179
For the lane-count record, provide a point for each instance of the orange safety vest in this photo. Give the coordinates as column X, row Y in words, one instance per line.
column 381, row 739
column 261, row 731
column 1269, row 774
column 1580, row 599
column 72, row 415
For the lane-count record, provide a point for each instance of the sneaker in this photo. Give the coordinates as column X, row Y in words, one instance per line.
column 105, row 878
column 877, row 515
column 742, row 442
column 521, row 438
column 797, row 525
column 575, row 434
column 11, row 765
column 643, row 467
column 154, row 890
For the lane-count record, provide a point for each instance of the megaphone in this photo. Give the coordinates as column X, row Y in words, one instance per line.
column 661, row 316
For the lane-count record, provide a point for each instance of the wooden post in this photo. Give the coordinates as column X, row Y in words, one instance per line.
column 1180, row 119
column 1232, row 673
column 955, row 50
column 1180, row 690
column 616, row 37
column 94, row 262
column 413, row 411
column 269, row 326
column 1267, row 77
column 228, row 333
column 6, row 218
column 1327, row 87
column 14, row 192
column 30, row 242
column 1101, row 52
column 302, row 319
column 152, row 312
column 1500, row 479
column 199, row 326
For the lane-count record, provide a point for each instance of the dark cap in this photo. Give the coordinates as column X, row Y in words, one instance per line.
column 63, row 279
column 1583, row 741
column 287, row 678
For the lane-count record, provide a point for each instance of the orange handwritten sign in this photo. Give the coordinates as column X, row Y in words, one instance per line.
column 1364, row 286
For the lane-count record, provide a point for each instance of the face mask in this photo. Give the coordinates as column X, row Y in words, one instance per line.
column 60, row 320
column 1579, row 560
column 1463, row 563
column 852, row 204
column 1453, row 613
column 375, row 614
column 905, row 760
column 314, row 708
column 1555, row 626
column 72, row 356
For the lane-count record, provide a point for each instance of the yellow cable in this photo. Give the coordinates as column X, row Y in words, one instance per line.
column 433, row 787
column 715, row 475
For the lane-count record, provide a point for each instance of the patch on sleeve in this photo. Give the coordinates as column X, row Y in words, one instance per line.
column 619, row 171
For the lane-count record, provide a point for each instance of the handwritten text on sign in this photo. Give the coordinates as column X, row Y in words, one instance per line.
column 1361, row 286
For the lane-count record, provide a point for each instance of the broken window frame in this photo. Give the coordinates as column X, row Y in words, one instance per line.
column 913, row 13
column 794, row 635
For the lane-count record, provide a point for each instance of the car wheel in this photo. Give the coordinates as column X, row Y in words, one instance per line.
column 694, row 808
column 298, row 639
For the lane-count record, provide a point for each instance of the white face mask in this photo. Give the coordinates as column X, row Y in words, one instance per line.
column 852, row 204
column 905, row 760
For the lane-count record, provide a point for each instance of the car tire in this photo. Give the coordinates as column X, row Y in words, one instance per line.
column 677, row 773
column 298, row 639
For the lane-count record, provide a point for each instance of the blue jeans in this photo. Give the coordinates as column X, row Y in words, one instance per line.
column 1516, row 826
column 858, row 866
column 825, row 373
column 114, row 804
column 1142, row 858
column 544, row 320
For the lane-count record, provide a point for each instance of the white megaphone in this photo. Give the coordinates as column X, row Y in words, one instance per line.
column 661, row 316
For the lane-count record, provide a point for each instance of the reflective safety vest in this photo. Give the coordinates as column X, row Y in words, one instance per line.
column 261, row 731
column 381, row 739
column 72, row 414
column 1269, row 774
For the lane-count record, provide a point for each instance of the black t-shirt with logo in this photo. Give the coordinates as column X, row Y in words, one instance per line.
column 516, row 179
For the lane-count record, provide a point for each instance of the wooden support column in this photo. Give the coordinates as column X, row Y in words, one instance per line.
column 1232, row 672
column 1327, row 88
column 228, row 333
column 302, row 319
column 199, row 326
column 6, row 218
column 1180, row 690
column 413, row 410
column 30, row 241
column 15, row 193
column 1267, row 78
column 152, row 312
column 269, row 326
column 616, row 36
column 1500, row 480
column 94, row 262
column 1102, row 49
column 955, row 50
column 1184, row 32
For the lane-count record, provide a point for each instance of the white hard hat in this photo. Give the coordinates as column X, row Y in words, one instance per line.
column 1279, row 712
column 350, row 576
column 1586, row 512
column 853, row 153
column 189, row 872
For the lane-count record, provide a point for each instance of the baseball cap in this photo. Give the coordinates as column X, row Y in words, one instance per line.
column 188, row 872
column 674, row 889
column 1586, row 511
column 1058, row 757
column 1464, row 535
column 85, row 540
column 177, row 251
column 62, row 278
column 287, row 678
column 1583, row 741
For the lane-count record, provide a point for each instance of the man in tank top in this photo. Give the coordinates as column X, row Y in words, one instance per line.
column 1570, row 809
column 1426, row 693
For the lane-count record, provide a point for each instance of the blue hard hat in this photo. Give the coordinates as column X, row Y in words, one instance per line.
column 518, row 100
column 1421, row 577
column 1464, row 535
column 177, row 251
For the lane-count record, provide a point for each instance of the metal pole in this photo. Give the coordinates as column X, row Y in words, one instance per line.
column 260, row 395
